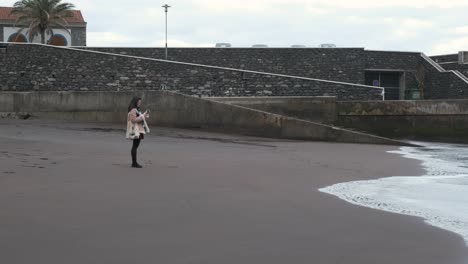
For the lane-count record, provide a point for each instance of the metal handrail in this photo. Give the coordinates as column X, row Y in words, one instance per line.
column 433, row 63
column 442, row 70
column 461, row 75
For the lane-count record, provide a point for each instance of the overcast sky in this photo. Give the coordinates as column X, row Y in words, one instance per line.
column 431, row 26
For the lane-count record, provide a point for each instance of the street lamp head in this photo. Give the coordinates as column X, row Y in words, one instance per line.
column 166, row 6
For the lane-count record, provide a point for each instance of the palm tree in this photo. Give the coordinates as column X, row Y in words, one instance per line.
column 39, row 16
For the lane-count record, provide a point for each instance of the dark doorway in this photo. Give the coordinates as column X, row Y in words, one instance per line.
column 388, row 80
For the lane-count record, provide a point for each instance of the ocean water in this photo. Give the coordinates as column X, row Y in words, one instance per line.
column 440, row 197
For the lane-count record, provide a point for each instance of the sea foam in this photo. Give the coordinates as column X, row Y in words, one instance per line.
column 440, row 197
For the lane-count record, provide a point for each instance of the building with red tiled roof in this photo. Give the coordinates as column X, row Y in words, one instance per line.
column 75, row 36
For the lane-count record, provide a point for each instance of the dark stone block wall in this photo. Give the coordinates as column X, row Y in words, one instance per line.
column 78, row 35
column 462, row 68
column 46, row 68
column 340, row 64
column 444, row 85
column 450, row 62
column 34, row 67
column 440, row 120
column 438, row 85
column 337, row 64
column 457, row 88
column 346, row 65
column 391, row 60
column 445, row 58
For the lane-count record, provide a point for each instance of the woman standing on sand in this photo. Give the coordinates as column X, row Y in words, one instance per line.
column 136, row 127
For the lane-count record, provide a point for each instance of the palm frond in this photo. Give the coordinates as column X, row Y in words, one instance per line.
column 39, row 16
column 62, row 26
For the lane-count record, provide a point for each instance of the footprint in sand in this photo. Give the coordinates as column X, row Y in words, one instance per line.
column 120, row 165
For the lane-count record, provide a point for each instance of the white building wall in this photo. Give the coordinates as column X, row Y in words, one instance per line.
column 8, row 31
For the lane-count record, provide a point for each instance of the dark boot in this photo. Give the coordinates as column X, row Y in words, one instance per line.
column 136, row 143
column 134, row 160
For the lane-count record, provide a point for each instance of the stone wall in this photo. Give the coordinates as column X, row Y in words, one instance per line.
column 462, row 68
column 340, row 64
column 315, row 109
column 86, row 69
column 392, row 60
column 443, row 84
column 78, row 36
column 439, row 120
column 346, row 65
column 33, row 67
column 457, row 88
column 455, row 66
column 450, row 62
column 437, row 84
column 445, row 58
column 176, row 110
column 443, row 120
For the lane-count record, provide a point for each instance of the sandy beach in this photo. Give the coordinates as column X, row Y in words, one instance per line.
column 68, row 195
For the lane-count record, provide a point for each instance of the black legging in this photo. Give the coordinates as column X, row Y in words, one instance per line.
column 136, row 143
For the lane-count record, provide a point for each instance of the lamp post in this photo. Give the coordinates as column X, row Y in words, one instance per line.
column 166, row 6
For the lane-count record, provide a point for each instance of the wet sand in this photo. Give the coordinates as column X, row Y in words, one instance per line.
column 68, row 195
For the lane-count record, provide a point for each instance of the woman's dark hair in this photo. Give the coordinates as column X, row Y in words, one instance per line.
column 134, row 103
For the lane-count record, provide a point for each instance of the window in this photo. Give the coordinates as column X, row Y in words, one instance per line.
column 17, row 38
column 58, row 40
column 388, row 80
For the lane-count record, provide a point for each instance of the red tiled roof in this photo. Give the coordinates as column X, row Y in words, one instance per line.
column 5, row 16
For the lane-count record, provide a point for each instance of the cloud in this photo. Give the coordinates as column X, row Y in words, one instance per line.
column 461, row 30
column 262, row 5
column 391, row 3
column 318, row 11
column 107, row 39
column 356, row 20
column 177, row 43
column 412, row 23
column 407, row 25
column 416, row 23
column 451, row 46
column 221, row 6
column 407, row 28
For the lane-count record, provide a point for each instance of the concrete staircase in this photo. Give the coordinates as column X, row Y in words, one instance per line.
column 442, row 70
